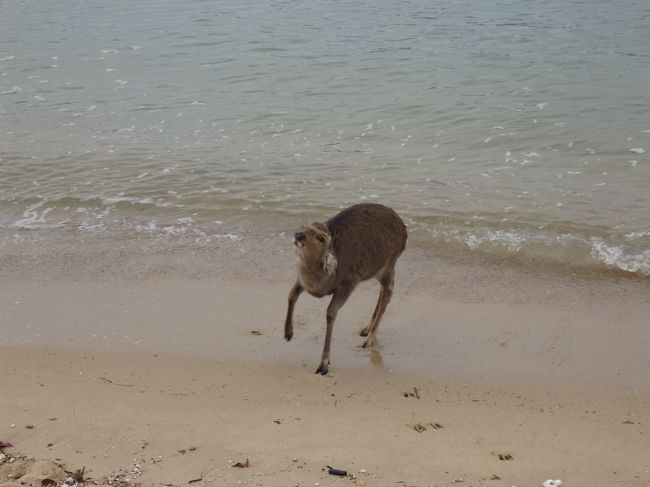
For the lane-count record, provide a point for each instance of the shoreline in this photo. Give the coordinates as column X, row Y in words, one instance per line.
column 537, row 248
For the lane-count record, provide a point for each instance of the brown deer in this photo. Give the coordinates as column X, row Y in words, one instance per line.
column 359, row 243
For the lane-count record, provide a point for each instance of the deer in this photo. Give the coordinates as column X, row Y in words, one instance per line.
column 361, row 242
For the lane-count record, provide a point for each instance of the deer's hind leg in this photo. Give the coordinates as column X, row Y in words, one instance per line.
column 366, row 329
column 387, row 281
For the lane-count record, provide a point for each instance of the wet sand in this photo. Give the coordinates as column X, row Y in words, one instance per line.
column 175, row 360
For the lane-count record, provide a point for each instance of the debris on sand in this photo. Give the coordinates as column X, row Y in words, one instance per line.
column 193, row 481
column 125, row 478
column 415, row 393
column 30, row 472
column 419, row 427
column 245, row 464
column 336, row 471
column 38, row 473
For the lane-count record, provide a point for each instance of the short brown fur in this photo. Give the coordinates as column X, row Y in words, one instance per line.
column 359, row 243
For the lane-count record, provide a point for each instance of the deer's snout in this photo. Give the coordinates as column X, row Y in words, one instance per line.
column 300, row 237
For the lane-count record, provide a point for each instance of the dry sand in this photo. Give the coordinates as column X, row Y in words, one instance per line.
column 186, row 373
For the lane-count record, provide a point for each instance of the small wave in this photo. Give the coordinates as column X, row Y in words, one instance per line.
column 629, row 253
column 114, row 200
column 616, row 256
column 564, row 243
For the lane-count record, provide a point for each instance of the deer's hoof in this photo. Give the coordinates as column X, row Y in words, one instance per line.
column 322, row 369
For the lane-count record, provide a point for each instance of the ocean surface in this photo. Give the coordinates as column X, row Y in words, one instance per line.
column 500, row 127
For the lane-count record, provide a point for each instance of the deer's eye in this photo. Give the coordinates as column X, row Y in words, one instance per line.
column 321, row 238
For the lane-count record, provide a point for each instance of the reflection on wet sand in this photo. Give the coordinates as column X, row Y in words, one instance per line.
column 375, row 357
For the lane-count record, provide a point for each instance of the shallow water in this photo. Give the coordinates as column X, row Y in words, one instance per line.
column 496, row 127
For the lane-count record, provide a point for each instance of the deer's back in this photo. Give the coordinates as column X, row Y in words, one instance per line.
column 366, row 239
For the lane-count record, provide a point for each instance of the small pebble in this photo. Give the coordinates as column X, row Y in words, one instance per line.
column 29, row 426
column 360, row 482
column 363, row 470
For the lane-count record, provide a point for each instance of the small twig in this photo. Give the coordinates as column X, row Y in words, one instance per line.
column 196, row 480
column 245, row 464
column 77, row 475
column 115, row 383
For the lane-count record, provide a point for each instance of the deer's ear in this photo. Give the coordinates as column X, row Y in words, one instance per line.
column 330, row 262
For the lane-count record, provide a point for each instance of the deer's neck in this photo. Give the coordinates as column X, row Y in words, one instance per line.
column 316, row 278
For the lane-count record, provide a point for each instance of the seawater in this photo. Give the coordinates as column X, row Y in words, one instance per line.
column 504, row 127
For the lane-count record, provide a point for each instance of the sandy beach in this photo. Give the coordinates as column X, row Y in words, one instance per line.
column 157, row 159
column 169, row 368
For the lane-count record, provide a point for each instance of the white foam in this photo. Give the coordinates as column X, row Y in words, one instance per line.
column 148, row 227
column 32, row 218
column 615, row 256
column 637, row 235
column 637, row 150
